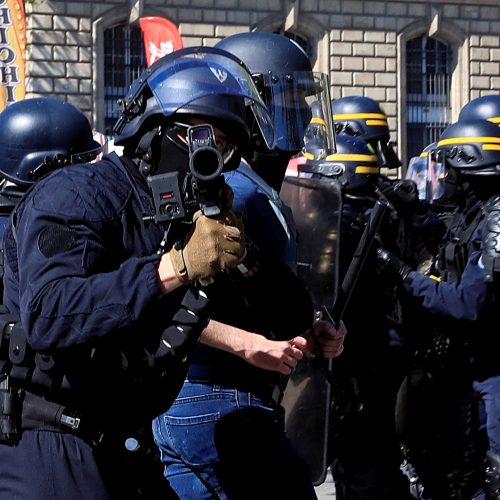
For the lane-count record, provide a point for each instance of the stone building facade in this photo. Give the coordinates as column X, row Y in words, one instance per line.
column 361, row 44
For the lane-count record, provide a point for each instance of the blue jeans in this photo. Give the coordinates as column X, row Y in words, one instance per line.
column 220, row 443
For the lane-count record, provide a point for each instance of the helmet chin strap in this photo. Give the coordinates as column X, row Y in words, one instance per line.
column 144, row 151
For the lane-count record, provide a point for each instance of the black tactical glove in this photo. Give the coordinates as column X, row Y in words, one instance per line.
column 392, row 266
column 403, row 195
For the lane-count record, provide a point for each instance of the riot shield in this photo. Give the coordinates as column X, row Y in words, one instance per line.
column 316, row 204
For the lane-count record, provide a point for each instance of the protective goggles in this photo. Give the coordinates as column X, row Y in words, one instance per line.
column 356, row 124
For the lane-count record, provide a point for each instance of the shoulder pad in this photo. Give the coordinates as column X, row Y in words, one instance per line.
column 94, row 191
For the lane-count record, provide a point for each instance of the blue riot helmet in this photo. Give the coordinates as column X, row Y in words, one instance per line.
column 470, row 153
column 40, row 135
column 283, row 74
column 485, row 108
column 354, row 164
column 472, row 147
column 361, row 116
column 288, row 85
column 201, row 82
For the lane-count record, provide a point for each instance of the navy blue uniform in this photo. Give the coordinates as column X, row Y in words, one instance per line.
column 452, row 392
column 80, row 272
column 363, row 442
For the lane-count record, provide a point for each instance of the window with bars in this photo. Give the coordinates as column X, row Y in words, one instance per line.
column 124, row 61
column 428, row 79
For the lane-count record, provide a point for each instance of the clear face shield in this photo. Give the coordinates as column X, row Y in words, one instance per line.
column 417, row 172
column 436, row 176
column 316, row 140
column 299, row 103
column 429, row 174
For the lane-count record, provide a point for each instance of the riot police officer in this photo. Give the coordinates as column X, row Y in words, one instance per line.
column 25, row 125
column 287, row 82
column 362, row 116
column 103, row 267
column 363, row 445
column 240, row 449
column 454, row 307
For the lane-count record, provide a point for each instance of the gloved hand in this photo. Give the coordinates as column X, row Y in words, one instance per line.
column 212, row 245
column 394, row 267
column 403, row 194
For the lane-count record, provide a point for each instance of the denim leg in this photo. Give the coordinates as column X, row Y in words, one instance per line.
column 218, row 442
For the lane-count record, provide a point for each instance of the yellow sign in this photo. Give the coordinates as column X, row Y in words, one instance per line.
column 12, row 52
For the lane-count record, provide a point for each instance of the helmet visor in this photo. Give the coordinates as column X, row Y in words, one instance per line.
column 417, row 172
column 184, row 80
column 294, row 99
column 436, row 176
column 428, row 173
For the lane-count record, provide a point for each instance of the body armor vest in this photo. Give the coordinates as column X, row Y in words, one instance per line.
column 454, row 254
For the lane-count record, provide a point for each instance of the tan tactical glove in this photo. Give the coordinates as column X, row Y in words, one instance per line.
column 212, row 245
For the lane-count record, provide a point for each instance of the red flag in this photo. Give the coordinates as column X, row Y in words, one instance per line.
column 161, row 37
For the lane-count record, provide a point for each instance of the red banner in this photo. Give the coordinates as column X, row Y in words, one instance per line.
column 161, row 37
column 12, row 52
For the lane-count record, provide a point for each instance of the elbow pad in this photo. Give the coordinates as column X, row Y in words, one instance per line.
column 491, row 239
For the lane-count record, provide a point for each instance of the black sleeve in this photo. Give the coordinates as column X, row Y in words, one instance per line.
column 273, row 301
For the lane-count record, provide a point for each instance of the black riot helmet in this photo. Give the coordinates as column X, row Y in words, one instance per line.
column 283, row 74
column 40, row 135
column 362, row 116
column 201, row 82
column 485, row 108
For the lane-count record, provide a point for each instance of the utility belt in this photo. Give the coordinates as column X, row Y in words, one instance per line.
column 23, row 410
column 269, row 392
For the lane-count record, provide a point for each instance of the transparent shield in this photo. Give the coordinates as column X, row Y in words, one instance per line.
column 316, row 204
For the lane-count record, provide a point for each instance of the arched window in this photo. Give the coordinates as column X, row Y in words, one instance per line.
column 428, row 81
column 124, row 61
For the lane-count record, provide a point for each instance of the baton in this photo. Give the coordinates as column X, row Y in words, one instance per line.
column 349, row 282
column 357, row 262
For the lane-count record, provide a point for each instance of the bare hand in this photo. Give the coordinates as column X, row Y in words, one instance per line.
column 277, row 355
